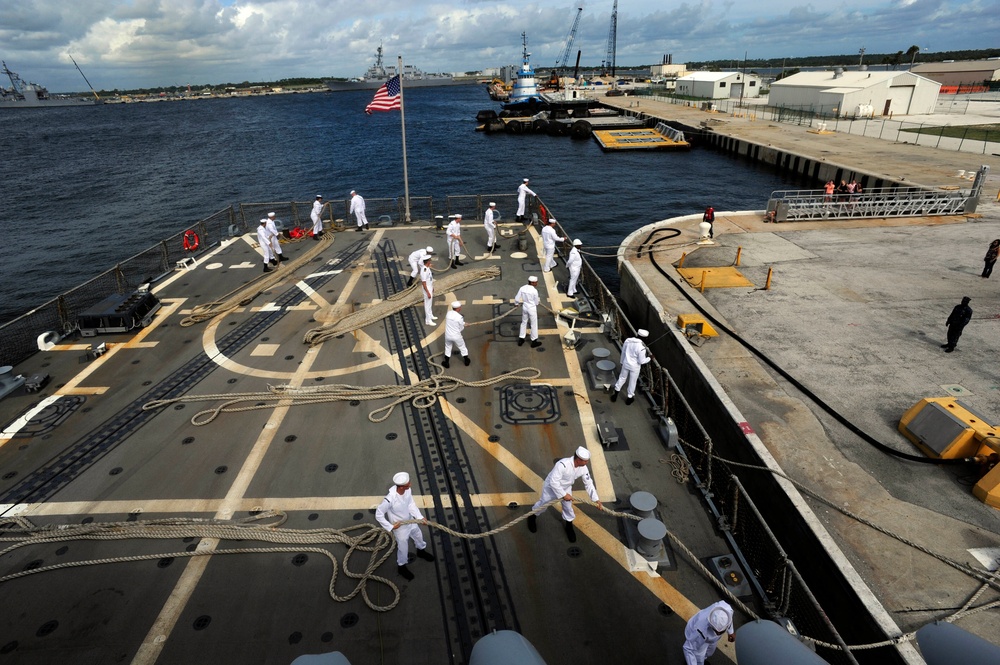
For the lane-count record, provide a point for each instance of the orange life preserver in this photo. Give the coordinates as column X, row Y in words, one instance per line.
column 543, row 213
column 296, row 233
column 190, row 240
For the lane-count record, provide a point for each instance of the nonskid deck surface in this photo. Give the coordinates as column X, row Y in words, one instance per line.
column 90, row 454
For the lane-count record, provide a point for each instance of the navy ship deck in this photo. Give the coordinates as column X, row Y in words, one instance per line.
column 83, row 453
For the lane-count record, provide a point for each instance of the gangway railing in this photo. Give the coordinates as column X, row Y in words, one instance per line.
column 803, row 205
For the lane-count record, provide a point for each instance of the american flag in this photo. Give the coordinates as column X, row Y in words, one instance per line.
column 387, row 97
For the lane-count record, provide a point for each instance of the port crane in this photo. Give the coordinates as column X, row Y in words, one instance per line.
column 609, row 61
column 561, row 62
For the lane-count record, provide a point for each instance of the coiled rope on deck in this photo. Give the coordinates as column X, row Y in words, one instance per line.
column 242, row 296
column 422, row 395
column 397, row 303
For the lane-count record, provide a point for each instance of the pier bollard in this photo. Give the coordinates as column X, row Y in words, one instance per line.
column 439, row 222
column 651, row 534
column 522, row 240
column 643, row 503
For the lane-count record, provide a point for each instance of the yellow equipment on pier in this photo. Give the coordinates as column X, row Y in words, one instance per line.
column 945, row 428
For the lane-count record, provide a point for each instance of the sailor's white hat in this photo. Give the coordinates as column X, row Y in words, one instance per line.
column 458, row 216
column 642, row 332
column 401, row 478
column 526, row 180
column 319, row 196
column 577, row 242
column 270, row 214
column 456, row 305
column 353, row 192
column 720, row 619
column 429, row 250
column 532, row 279
column 492, row 204
column 582, row 453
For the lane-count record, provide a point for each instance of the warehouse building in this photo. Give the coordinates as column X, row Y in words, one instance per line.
column 719, row 85
column 856, row 93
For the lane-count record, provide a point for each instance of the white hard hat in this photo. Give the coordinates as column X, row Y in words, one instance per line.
column 429, row 250
column 642, row 332
column 582, row 453
column 577, row 242
column 492, row 204
column 456, row 305
column 532, row 279
column 720, row 619
column 270, row 214
column 401, row 478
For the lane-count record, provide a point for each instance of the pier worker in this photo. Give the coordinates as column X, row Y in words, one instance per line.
column 316, row 217
column 527, row 298
column 455, row 244
column 549, row 240
column 264, row 240
column 398, row 506
column 709, row 217
column 634, row 356
column 991, row 257
column 705, row 629
column 522, row 199
column 559, row 484
column 454, row 324
column 491, row 226
column 416, row 260
column 574, row 262
column 427, row 284
column 358, row 210
column 957, row 320
column 275, row 245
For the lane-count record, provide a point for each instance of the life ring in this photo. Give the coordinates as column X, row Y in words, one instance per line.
column 190, row 240
column 296, row 233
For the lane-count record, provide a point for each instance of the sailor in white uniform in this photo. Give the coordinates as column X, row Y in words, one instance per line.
column 549, row 240
column 416, row 260
column 634, row 355
column 527, row 298
column 275, row 245
column 703, row 631
column 522, row 199
column 559, row 484
column 454, row 324
column 491, row 226
column 316, row 217
column 427, row 284
column 574, row 262
column 358, row 210
column 264, row 240
column 454, row 231
column 396, row 507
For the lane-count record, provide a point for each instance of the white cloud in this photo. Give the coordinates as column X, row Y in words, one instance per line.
column 146, row 43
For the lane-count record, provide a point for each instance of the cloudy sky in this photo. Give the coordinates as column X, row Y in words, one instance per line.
column 147, row 43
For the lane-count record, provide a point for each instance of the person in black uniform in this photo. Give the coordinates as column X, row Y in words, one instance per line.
column 709, row 217
column 957, row 320
column 991, row 257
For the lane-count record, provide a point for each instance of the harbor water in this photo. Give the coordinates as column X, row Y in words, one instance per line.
column 84, row 188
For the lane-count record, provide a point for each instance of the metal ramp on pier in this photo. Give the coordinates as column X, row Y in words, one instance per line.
column 808, row 205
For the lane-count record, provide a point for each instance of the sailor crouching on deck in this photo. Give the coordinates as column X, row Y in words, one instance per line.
column 634, row 356
column 703, row 631
column 416, row 260
column 396, row 507
column 559, row 483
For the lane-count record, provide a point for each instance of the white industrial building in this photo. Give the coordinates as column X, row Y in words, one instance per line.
column 719, row 85
column 856, row 93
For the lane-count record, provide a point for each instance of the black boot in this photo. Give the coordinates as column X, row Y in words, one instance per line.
column 466, row 360
column 629, row 400
column 535, row 343
column 425, row 555
column 274, row 262
column 570, row 531
column 410, row 283
column 446, row 363
column 520, row 341
column 614, row 395
column 404, row 572
column 267, row 268
column 532, row 523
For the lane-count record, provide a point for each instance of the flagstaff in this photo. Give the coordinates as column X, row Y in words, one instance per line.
column 402, row 121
